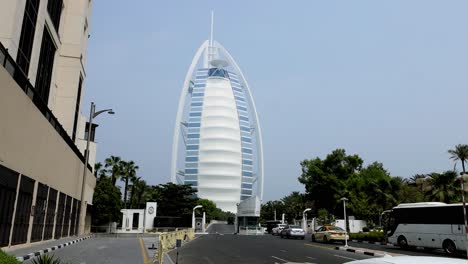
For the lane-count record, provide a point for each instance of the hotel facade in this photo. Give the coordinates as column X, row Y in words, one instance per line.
column 217, row 145
column 43, row 134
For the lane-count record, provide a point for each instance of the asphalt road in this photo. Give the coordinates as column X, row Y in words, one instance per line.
column 220, row 229
column 218, row 248
column 101, row 250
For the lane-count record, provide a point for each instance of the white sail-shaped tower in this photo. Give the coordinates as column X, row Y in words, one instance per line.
column 217, row 145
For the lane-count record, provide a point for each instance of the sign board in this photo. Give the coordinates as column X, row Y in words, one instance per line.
column 178, row 243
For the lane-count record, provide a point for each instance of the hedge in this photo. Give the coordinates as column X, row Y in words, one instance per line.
column 368, row 236
column 7, row 259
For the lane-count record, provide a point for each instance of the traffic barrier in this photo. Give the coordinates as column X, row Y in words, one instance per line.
column 168, row 240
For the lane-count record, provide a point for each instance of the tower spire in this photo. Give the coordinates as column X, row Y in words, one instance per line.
column 212, row 26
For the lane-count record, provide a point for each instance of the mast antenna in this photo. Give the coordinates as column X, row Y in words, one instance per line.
column 212, row 25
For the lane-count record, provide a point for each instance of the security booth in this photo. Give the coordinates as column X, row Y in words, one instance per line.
column 248, row 217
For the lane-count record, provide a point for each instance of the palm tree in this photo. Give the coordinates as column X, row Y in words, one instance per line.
column 128, row 171
column 444, row 187
column 459, row 153
column 114, row 162
column 134, row 189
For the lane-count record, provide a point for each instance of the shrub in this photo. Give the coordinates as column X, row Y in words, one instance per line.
column 365, row 229
column 7, row 259
column 370, row 236
column 47, row 259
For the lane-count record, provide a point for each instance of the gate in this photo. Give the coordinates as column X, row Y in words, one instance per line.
column 60, row 213
column 39, row 212
column 66, row 220
column 49, row 222
column 23, row 211
column 8, row 183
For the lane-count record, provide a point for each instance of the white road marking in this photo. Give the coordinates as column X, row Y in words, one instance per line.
column 282, row 250
column 279, row 259
column 344, row 257
column 310, row 257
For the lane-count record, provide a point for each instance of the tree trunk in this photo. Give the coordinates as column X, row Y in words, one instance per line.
column 125, row 192
column 463, row 166
column 132, row 195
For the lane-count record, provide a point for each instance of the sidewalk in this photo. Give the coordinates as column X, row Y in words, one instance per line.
column 41, row 248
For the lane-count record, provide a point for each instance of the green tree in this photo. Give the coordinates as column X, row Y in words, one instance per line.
column 325, row 180
column 128, row 171
column 173, row 199
column 210, row 209
column 459, row 153
column 444, row 187
column 294, row 204
column 106, row 202
column 133, row 190
column 114, row 163
column 267, row 211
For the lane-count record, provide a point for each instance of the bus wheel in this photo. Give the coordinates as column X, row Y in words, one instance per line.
column 402, row 242
column 449, row 247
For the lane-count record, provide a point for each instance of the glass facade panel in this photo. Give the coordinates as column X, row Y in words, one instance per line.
column 191, row 171
column 191, row 159
column 192, row 147
column 195, row 114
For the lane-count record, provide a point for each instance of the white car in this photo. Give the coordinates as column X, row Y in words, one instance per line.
column 409, row 260
column 277, row 229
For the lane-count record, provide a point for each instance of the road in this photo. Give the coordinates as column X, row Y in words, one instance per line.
column 218, row 248
column 220, row 229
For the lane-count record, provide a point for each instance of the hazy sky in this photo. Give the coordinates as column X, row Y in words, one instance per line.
column 383, row 79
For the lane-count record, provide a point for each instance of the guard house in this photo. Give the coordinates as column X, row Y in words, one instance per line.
column 138, row 220
column 248, row 215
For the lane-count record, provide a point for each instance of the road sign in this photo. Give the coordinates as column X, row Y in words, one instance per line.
column 178, row 243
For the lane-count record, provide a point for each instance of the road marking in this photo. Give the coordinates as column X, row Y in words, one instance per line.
column 312, row 245
column 143, row 252
column 282, row 250
column 310, row 257
column 279, row 259
column 344, row 257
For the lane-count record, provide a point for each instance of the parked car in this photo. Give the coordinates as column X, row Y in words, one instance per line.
column 292, row 231
column 329, row 234
column 277, row 229
column 409, row 260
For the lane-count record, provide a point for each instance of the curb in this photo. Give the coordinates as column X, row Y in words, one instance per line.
column 375, row 243
column 358, row 251
column 42, row 252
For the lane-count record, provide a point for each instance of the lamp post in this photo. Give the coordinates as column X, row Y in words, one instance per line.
column 92, row 115
column 462, row 180
column 304, row 219
column 344, row 199
column 193, row 215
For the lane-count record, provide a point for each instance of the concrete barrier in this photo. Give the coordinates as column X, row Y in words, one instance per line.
column 167, row 241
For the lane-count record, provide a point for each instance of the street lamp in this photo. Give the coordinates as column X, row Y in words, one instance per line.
column 92, row 115
column 193, row 215
column 463, row 178
column 344, row 199
column 304, row 219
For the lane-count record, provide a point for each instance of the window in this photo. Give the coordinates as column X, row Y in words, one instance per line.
column 242, row 108
column 194, row 125
column 45, row 67
column 243, row 128
column 247, row 192
column 247, row 162
column 191, row 159
column 244, row 118
column 192, row 147
column 193, row 141
column 247, row 173
column 196, row 104
column 217, row 72
column 77, row 108
column 194, row 120
column 193, row 136
column 197, row 94
column 191, row 171
column 247, row 185
column 27, row 35
column 191, row 165
column 240, row 99
column 244, row 139
column 246, row 150
column 54, row 8
column 192, row 153
column 195, row 114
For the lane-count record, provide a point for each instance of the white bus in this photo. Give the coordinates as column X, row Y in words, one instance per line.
column 430, row 225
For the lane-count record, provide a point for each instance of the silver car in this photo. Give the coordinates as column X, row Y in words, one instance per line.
column 277, row 229
column 292, row 231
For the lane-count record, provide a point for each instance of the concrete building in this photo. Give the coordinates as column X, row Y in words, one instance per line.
column 217, row 123
column 43, row 134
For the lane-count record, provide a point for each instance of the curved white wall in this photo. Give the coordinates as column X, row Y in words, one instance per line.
column 220, row 157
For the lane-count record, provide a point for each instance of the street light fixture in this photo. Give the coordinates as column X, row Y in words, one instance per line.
column 344, row 199
column 193, row 215
column 92, row 115
column 304, row 219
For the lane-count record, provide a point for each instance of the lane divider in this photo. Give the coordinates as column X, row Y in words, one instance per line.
column 42, row 252
column 362, row 252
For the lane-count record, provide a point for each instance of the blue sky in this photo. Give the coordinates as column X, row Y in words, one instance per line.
column 383, row 79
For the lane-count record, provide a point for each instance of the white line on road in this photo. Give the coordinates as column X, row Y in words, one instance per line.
column 279, row 259
column 282, row 250
column 344, row 257
column 310, row 257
